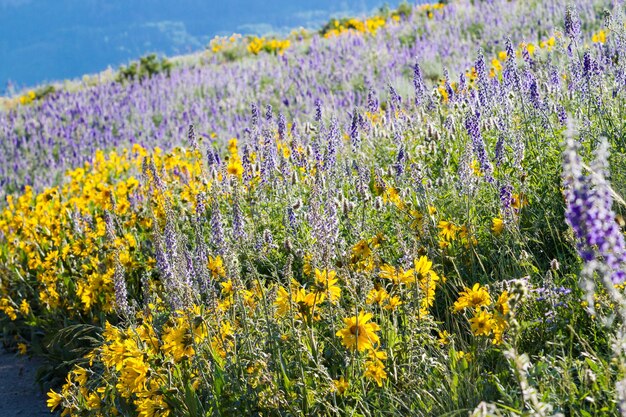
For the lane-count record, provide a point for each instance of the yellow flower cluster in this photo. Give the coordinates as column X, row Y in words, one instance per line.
column 220, row 43
column 485, row 322
column 430, row 9
column 360, row 334
column 450, row 233
column 136, row 362
column 27, row 98
column 368, row 26
column 272, row 46
column 422, row 273
column 599, row 37
column 305, row 303
column 234, row 162
column 58, row 241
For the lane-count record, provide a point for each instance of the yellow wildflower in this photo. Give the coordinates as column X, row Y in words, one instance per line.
column 475, row 297
column 482, row 323
column 341, row 385
column 497, row 226
column 359, row 333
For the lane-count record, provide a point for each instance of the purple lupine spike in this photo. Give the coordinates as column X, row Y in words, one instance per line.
column 217, row 231
column 555, row 79
column 109, row 226
column 354, row 131
column 562, row 115
column 467, row 179
column 506, row 201
column 500, row 149
column 483, row 79
column 165, row 268
column 510, row 52
column 318, row 110
column 268, row 238
column 588, row 65
column 119, row 289
column 291, row 219
column 156, row 178
column 533, row 92
column 268, row 162
column 200, row 205
column 282, row 126
column 510, row 77
column 210, row 156
column 171, row 238
column 400, row 161
column 191, row 137
column 527, row 58
column 572, row 22
column 605, row 234
column 480, row 67
column 332, row 142
column 269, row 115
column 589, row 211
column 255, row 115
column 189, row 275
column 418, row 83
column 478, row 145
column 394, row 100
column 462, row 83
column 246, row 164
column 372, row 102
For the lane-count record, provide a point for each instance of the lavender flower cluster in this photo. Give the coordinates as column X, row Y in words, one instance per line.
column 38, row 143
column 590, row 210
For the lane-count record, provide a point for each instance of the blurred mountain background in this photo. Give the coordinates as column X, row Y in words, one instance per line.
column 47, row 40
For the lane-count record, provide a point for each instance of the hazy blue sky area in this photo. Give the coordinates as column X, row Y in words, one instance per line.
column 47, row 40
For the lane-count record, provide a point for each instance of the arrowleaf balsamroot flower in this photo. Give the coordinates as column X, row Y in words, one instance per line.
column 397, row 275
column 482, row 323
column 375, row 370
column 497, row 226
column 326, row 285
column 447, row 230
column 359, row 333
column 54, row 400
column 474, row 297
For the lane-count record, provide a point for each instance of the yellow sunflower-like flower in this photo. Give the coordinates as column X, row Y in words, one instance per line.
column 502, row 305
column 216, row 266
column 477, row 296
column 444, row 337
column 299, row 300
column 397, row 275
column 447, row 230
column 326, row 285
column 497, row 226
column 377, row 296
column 375, row 370
column 359, row 333
column 54, row 400
column 393, row 303
column 340, row 385
column 482, row 323
column 235, row 168
column 361, row 251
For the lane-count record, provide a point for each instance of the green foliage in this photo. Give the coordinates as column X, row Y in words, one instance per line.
column 147, row 67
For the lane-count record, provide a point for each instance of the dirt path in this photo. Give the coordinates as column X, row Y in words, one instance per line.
column 19, row 396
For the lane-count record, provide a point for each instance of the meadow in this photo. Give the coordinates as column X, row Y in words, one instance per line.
column 411, row 214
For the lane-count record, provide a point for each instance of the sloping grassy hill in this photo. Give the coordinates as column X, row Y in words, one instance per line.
column 414, row 214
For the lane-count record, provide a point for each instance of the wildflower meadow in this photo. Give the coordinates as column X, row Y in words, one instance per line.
column 414, row 213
